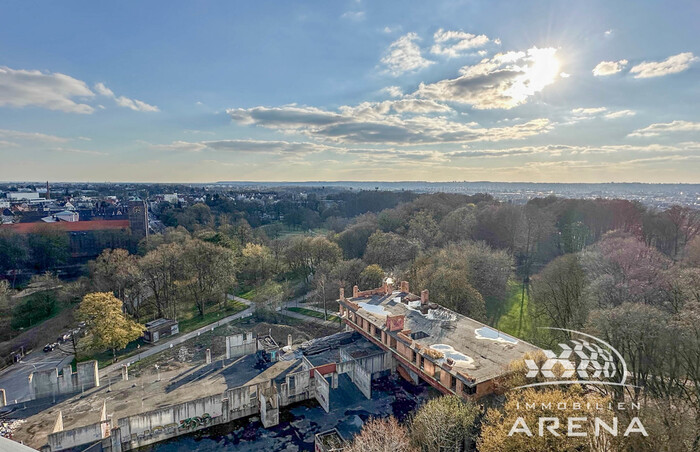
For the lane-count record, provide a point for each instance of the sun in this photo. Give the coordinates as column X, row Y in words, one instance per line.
column 542, row 69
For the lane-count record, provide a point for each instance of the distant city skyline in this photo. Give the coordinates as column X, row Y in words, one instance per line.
column 537, row 91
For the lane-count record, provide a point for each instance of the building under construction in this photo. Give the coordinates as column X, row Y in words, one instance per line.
column 451, row 352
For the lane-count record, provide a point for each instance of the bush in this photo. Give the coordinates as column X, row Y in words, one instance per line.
column 35, row 309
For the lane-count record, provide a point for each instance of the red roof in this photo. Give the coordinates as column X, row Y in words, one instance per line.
column 68, row 226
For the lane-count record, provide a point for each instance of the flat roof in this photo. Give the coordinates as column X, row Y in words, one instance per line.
column 478, row 350
column 326, row 350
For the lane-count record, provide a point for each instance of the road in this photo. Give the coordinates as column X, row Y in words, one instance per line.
column 15, row 379
column 181, row 338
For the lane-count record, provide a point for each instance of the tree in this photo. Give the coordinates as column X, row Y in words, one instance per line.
column 209, row 271
column 161, row 268
column 258, row 262
column 109, row 326
column 444, row 423
column 372, row 276
column 550, row 403
column 116, row 271
column 382, row 435
column 389, row 250
column 557, row 293
column 423, row 229
column 48, row 248
column 459, row 224
column 13, row 253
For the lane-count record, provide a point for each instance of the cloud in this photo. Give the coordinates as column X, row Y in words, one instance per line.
column 54, row 91
column 504, row 81
column 671, row 65
column 404, row 55
column 353, row 15
column 666, row 127
column 243, row 146
column 588, row 111
column 122, row 101
column 32, row 136
column 76, row 151
column 393, row 91
column 390, row 122
column 455, row 43
column 609, row 67
column 620, row 114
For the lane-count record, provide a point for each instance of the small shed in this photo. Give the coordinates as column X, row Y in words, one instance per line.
column 160, row 328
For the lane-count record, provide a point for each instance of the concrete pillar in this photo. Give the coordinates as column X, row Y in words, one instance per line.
column 3, row 398
column 208, row 353
column 424, row 297
column 334, row 380
column 289, row 340
column 125, row 372
column 355, row 291
column 342, row 294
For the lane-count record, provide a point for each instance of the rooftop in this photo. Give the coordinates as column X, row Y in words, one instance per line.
column 479, row 351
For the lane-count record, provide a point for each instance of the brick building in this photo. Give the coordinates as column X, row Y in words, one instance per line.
column 452, row 352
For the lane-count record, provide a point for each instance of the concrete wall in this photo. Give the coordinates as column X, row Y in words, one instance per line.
column 322, row 391
column 75, row 437
column 295, row 388
column 269, row 407
column 240, row 345
column 48, row 383
column 363, row 380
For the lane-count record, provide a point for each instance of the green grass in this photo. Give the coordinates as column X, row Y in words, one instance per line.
column 510, row 320
column 192, row 320
column 316, row 314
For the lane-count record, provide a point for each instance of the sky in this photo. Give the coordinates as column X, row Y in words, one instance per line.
column 206, row 91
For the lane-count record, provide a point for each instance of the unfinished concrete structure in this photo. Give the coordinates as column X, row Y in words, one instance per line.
column 51, row 383
column 452, row 352
column 307, row 373
column 240, row 345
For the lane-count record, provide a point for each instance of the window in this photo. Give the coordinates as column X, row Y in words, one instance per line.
column 292, row 383
column 469, row 390
column 453, row 382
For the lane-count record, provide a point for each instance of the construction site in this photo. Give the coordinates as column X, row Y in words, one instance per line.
column 264, row 390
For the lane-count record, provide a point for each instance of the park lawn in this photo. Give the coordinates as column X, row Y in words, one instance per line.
column 189, row 322
column 509, row 321
column 316, row 314
column 192, row 320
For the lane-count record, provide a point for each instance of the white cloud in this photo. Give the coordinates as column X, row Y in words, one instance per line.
column 564, row 75
column 393, row 91
column 671, row 65
column 666, row 127
column 588, row 111
column 401, row 122
column 32, row 136
column 609, row 67
column 353, row 15
column 77, row 151
column 244, row 146
column 504, row 81
column 123, row 101
column 404, row 55
column 608, row 32
column 620, row 114
column 455, row 43
column 54, row 91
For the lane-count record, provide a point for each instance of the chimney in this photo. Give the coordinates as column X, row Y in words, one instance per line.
column 355, row 291
column 342, row 294
column 385, row 287
column 404, row 286
column 389, row 287
column 424, row 297
column 289, row 338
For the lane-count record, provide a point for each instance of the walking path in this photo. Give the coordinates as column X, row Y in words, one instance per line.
column 182, row 338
